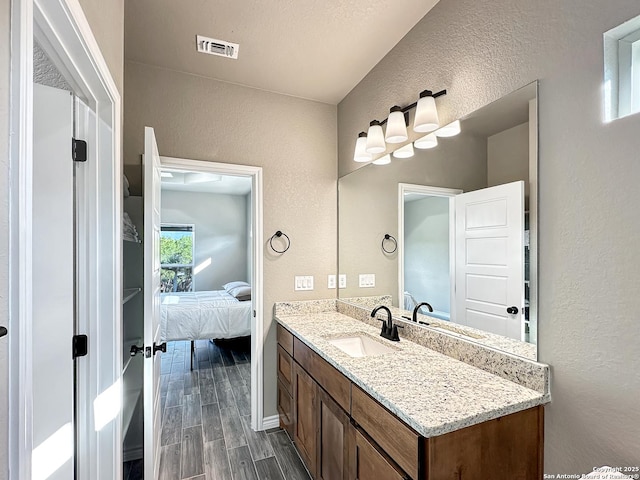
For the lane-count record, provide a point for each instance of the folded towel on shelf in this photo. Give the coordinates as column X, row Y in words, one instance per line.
column 125, row 186
column 129, row 231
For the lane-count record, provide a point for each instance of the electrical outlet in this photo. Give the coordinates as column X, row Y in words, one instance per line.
column 367, row 280
column 303, row 282
column 342, row 280
column 331, row 281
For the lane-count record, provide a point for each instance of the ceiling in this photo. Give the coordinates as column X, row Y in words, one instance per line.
column 304, row 48
column 188, row 181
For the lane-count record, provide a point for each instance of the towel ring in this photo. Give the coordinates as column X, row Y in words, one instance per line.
column 279, row 234
column 390, row 238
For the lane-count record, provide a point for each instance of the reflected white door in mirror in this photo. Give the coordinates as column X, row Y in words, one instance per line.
column 463, row 253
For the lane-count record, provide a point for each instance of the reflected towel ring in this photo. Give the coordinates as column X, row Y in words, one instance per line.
column 391, row 238
column 279, row 234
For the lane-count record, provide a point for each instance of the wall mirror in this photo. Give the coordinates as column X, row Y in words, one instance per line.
column 464, row 215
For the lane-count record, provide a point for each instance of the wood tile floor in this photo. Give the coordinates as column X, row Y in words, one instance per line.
column 206, row 431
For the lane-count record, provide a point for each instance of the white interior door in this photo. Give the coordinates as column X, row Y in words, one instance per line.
column 53, row 285
column 489, row 259
column 151, row 169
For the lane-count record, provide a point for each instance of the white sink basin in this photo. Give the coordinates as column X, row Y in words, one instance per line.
column 360, row 346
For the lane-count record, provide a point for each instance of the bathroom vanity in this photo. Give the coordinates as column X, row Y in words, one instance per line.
column 408, row 413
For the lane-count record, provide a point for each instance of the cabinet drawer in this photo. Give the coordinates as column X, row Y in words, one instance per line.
column 285, row 365
column 368, row 463
column 394, row 437
column 285, row 338
column 335, row 383
column 285, row 409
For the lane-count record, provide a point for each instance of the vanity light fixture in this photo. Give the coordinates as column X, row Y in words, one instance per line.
column 386, row 160
column 426, row 120
column 396, row 126
column 404, row 152
column 428, row 141
column 449, row 130
column 361, row 154
column 375, row 138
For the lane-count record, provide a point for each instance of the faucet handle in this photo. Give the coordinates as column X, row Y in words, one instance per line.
column 385, row 329
column 394, row 333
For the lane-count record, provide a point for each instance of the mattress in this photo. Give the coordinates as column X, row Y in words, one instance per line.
column 203, row 315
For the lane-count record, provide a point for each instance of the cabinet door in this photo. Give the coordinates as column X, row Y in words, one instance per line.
column 305, row 412
column 285, row 409
column 368, row 463
column 333, row 425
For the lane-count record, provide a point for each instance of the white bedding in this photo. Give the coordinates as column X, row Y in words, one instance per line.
column 203, row 315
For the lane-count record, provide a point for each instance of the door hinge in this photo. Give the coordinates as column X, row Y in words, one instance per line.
column 80, row 346
column 79, row 150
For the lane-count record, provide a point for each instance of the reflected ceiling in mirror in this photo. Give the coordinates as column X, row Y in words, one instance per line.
column 497, row 145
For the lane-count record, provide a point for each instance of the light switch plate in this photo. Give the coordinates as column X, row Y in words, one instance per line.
column 342, row 280
column 367, row 280
column 331, row 281
column 303, row 282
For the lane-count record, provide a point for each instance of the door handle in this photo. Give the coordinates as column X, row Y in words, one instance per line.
column 3, row 332
column 512, row 310
column 136, row 350
column 160, row 348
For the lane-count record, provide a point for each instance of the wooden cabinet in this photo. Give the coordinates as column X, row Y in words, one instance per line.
column 370, row 463
column 333, row 428
column 305, row 417
column 342, row 433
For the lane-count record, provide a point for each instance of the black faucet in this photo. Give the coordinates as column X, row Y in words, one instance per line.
column 389, row 330
column 415, row 311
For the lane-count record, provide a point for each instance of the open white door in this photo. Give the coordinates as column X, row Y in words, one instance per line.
column 151, row 170
column 489, row 259
column 53, row 285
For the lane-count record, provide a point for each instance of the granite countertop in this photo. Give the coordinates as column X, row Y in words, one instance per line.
column 431, row 392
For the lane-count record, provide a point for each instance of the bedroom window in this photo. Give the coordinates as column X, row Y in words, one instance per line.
column 176, row 258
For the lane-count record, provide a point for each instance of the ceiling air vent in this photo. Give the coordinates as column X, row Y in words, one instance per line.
column 217, row 47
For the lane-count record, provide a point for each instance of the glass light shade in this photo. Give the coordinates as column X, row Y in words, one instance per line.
column 375, row 139
column 450, row 130
column 426, row 119
column 396, row 127
column 404, row 152
column 361, row 154
column 386, row 160
column 428, row 141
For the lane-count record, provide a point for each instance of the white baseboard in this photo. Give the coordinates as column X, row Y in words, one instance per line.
column 133, row 454
column 271, row 422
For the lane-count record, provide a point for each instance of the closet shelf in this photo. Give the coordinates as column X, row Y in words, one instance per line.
column 131, row 240
column 129, row 293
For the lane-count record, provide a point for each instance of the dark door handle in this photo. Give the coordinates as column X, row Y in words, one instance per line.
column 160, row 348
column 3, row 332
column 512, row 310
column 136, row 350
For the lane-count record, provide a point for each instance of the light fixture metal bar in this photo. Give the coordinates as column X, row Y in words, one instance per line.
column 414, row 104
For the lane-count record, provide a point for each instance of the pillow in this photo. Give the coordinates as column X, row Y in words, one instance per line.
column 231, row 285
column 242, row 293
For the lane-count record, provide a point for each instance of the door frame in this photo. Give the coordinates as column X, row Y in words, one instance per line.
column 258, row 421
column 64, row 33
column 403, row 189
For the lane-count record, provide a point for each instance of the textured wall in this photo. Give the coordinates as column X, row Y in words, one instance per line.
column 106, row 19
column 508, row 157
column 45, row 72
column 426, row 260
column 220, row 233
column 293, row 140
column 4, row 228
column 588, row 177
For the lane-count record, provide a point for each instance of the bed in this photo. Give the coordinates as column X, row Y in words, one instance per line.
column 217, row 314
